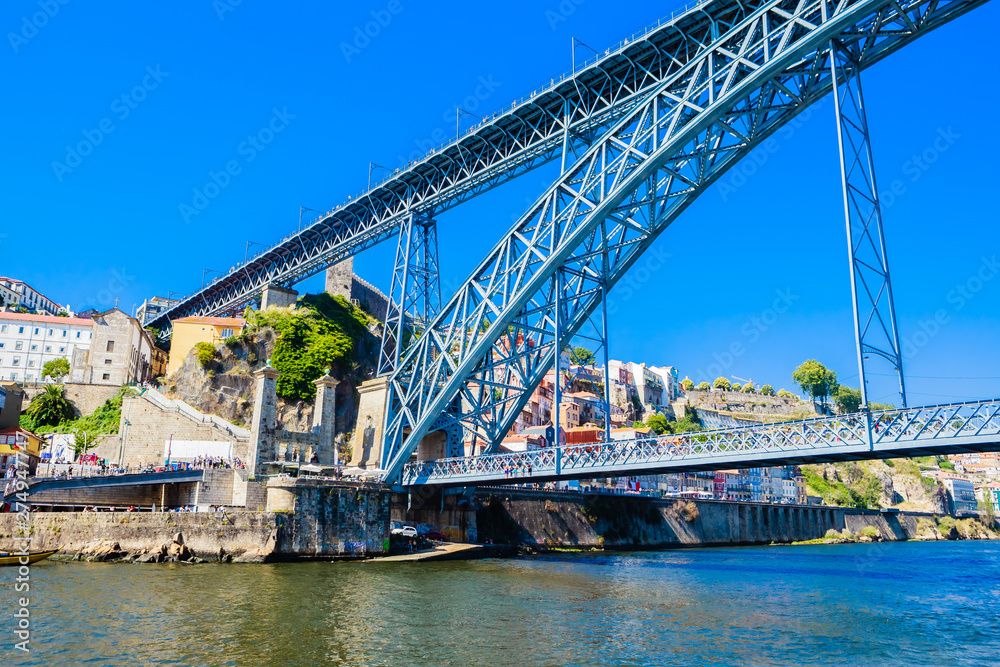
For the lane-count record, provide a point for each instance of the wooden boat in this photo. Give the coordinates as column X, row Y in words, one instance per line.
column 33, row 557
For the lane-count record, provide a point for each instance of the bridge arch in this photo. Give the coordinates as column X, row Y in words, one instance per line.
column 494, row 341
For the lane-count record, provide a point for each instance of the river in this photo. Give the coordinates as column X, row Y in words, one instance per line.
column 899, row 603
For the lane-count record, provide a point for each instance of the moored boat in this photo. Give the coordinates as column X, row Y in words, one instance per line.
column 15, row 559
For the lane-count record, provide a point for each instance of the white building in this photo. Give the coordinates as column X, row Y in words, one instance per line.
column 121, row 352
column 671, row 383
column 27, row 342
column 19, row 293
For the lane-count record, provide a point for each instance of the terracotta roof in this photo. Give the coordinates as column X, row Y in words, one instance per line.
column 51, row 319
column 214, row 321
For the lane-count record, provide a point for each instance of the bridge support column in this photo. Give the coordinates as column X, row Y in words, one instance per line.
column 279, row 297
column 262, row 443
column 366, row 443
column 325, row 418
column 874, row 312
column 415, row 294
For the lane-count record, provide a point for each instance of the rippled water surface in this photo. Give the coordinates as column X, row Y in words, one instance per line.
column 908, row 603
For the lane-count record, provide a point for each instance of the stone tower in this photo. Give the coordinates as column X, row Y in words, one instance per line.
column 325, row 419
column 340, row 278
column 262, row 441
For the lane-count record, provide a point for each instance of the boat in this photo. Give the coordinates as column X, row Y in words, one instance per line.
column 15, row 559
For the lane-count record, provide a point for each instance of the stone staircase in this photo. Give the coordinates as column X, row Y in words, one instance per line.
column 182, row 408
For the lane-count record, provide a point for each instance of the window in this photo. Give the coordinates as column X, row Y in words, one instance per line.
column 48, row 348
column 36, row 331
column 77, row 334
column 18, row 345
column 31, row 364
column 64, row 333
column 34, row 348
column 62, row 349
column 50, row 332
column 17, row 361
column 1, row 346
column 106, row 376
column 107, row 362
column 227, row 333
column 3, row 328
column 111, row 346
column 20, row 330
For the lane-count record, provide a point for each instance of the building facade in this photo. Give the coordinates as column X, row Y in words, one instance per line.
column 17, row 293
column 961, row 496
column 189, row 331
column 121, row 351
column 28, row 342
column 152, row 308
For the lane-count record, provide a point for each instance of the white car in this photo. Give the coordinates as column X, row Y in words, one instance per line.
column 405, row 531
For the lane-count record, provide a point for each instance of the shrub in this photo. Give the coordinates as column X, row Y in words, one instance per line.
column 205, row 353
column 832, row 534
column 870, row 532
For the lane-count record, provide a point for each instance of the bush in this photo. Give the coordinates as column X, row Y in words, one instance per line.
column 205, row 353
column 870, row 532
column 832, row 534
column 703, row 386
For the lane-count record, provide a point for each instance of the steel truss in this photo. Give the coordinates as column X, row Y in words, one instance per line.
column 963, row 427
column 871, row 289
column 493, row 342
column 415, row 295
column 574, row 110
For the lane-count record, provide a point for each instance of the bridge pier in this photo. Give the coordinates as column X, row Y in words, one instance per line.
column 279, row 297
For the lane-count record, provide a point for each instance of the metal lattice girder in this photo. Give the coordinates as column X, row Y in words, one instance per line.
column 937, row 430
column 415, row 295
column 871, row 288
column 531, row 132
column 493, row 341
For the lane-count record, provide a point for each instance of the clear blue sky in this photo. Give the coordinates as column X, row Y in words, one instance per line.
column 109, row 225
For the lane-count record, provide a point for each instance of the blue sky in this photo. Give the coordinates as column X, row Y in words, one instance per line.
column 169, row 96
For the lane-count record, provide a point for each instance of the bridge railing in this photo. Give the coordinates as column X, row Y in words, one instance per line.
column 859, row 431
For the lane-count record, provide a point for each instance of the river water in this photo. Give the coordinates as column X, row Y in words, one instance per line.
column 899, row 603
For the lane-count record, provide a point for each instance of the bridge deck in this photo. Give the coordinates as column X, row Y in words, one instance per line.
column 947, row 429
column 141, row 479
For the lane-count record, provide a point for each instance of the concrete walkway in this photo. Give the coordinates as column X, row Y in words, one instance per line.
column 443, row 551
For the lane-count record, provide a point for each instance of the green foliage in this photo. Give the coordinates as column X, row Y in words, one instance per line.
column 688, row 384
column 767, row 390
column 205, row 353
column 875, row 407
column 869, row 532
column 748, row 388
column 722, row 383
column 736, row 386
column 55, row 369
column 103, row 421
column 582, row 356
column 659, row 424
column 704, row 386
column 319, row 335
column 848, row 400
column 863, row 491
column 815, row 379
column 945, row 464
column 782, row 393
column 50, row 407
column 832, row 534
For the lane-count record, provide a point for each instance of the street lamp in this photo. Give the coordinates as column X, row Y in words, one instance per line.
column 302, row 209
column 372, row 166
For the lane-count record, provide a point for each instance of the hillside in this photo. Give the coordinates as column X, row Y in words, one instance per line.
column 323, row 332
column 878, row 484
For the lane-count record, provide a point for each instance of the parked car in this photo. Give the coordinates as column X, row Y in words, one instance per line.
column 435, row 535
column 405, row 531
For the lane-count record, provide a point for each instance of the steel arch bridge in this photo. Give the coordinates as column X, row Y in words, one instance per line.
column 491, row 345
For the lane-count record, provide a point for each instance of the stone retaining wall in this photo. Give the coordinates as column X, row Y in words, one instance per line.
column 575, row 520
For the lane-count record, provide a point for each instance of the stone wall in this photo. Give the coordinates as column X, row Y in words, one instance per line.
column 203, row 532
column 151, row 426
column 85, row 398
column 328, row 519
column 218, row 487
column 573, row 520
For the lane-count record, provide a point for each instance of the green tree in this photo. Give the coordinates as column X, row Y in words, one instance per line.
column 659, row 423
column 736, row 386
column 704, row 386
column 784, row 393
column 50, row 407
column 722, row 383
column 688, row 384
column 205, row 353
column 848, row 400
column 881, row 406
column 581, row 356
column 748, row 388
column 56, row 369
column 767, row 390
column 816, row 380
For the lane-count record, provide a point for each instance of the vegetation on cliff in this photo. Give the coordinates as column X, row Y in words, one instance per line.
column 315, row 337
column 88, row 428
column 877, row 484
